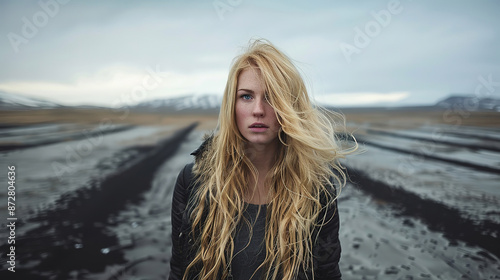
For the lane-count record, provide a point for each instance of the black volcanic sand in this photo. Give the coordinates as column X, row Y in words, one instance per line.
column 389, row 233
column 435, row 215
column 72, row 238
column 423, row 204
column 120, row 227
column 144, row 229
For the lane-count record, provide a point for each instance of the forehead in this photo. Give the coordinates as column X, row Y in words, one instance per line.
column 250, row 78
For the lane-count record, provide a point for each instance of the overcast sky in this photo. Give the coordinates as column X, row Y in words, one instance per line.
column 352, row 53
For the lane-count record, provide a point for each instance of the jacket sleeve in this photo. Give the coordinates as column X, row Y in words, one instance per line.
column 179, row 202
column 327, row 249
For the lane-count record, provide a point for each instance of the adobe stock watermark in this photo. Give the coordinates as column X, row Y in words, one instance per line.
column 453, row 116
column 223, row 6
column 149, row 82
column 484, row 88
column 76, row 152
column 373, row 28
column 40, row 19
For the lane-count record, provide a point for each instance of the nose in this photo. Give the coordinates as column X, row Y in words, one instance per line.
column 258, row 108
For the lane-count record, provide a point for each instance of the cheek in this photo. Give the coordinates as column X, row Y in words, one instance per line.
column 272, row 115
column 240, row 115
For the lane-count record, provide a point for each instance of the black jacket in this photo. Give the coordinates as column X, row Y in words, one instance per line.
column 326, row 248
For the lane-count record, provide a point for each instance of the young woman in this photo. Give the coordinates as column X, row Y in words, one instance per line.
column 260, row 200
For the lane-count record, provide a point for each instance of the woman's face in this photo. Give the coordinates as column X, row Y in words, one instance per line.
column 255, row 117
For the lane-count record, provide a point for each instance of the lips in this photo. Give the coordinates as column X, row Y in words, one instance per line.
column 258, row 125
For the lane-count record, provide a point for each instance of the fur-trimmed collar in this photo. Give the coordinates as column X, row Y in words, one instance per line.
column 203, row 148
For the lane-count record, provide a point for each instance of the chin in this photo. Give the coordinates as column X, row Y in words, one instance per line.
column 261, row 140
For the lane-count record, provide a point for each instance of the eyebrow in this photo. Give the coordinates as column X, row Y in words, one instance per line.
column 247, row 90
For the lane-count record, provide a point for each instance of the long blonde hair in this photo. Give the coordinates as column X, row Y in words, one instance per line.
column 300, row 180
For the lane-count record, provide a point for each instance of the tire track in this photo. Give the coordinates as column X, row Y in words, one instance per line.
column 474, row 166
column 469, row 135
column 424, row 139
column 437, row 216
column 60, row 138
column 71, row 235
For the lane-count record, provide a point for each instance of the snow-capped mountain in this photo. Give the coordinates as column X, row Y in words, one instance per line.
column 190, row 102
column 16, row 101
column 470, row 103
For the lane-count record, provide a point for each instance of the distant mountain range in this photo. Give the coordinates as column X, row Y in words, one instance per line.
column 470, row 103
column 14, row 101
column 211, row 102
column 185, row 103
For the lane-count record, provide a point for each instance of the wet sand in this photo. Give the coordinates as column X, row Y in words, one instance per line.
column 422, row 202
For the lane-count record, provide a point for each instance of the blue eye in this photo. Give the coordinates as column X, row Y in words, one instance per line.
column 246, row 96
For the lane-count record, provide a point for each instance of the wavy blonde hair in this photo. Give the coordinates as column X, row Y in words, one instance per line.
column 301, row 178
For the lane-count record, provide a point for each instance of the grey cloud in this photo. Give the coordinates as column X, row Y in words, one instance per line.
column 429, row 48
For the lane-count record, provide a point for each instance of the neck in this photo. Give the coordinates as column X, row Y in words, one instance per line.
column 262, row 157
